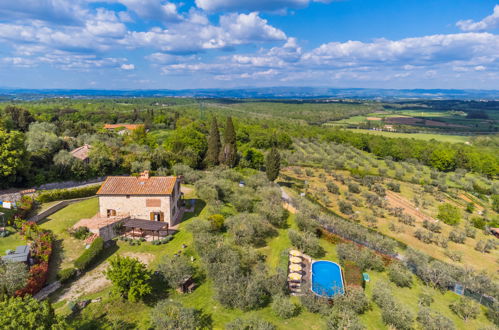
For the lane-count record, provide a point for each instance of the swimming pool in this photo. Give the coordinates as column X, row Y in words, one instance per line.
column 327, row 279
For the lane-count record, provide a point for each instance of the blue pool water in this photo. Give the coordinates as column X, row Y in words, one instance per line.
column 327, row 279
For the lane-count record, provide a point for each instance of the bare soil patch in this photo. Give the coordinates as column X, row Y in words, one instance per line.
column 95, row 280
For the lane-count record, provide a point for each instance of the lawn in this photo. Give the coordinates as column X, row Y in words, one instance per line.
column 417, row 136
column 67, row 248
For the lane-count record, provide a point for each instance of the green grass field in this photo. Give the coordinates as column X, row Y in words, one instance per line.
column 417, row 136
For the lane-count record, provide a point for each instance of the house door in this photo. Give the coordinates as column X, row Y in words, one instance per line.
column 157, row 216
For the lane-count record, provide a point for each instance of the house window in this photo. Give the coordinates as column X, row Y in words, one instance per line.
column 111, row 213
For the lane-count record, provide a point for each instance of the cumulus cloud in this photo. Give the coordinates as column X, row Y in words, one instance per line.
column 250, row 5
column 197, row 35
column 54, row 11
column 488, row 23
column 153, row 9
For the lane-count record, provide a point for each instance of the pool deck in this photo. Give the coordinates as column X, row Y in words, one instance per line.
column 299, row 288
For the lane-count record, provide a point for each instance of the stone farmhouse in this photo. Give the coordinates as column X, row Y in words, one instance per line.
column 147, row 204
column 155, row 198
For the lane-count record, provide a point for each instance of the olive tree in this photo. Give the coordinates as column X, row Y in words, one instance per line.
column 175, row 270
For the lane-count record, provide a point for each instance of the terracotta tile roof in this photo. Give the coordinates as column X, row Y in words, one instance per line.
column 81, row 152
column 130, row 185
column 130, row 127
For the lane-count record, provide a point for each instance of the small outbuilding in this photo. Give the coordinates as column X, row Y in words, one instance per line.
column 81, row 153
column 21, row 254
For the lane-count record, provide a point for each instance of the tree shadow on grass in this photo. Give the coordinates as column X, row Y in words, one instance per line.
column 55, row 259
column 198, row 208
column 101, row 322
column 159, row 290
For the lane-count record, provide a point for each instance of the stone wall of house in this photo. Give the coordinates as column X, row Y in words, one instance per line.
column 134, row 206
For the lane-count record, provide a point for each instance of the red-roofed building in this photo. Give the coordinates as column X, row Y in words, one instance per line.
column 155, row 198
column 123, row 128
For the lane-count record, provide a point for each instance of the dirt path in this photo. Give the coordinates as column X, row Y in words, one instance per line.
column 95, row 280
column 396, row 200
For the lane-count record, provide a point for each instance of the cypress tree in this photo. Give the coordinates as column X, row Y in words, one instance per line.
column 228, row 155
column 214, row 144
column 273, row 164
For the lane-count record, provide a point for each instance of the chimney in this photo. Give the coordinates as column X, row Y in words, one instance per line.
column 144, row 175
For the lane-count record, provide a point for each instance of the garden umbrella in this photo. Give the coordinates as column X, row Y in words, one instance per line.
column 295, row 253
column 295, row 267
column 295, row 260
column 295, row 276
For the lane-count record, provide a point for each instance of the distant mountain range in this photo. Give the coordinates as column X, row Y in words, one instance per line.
column 260, row 93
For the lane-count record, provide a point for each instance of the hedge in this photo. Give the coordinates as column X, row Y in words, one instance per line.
column 61, row 194
column 66, row 274
column 90, row 254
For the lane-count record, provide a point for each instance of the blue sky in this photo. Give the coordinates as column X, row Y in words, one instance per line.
column 150, row 44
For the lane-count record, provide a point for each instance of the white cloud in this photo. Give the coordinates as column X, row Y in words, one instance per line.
column 250, row 5
column 198, row 35
column 153, row 9
column 54, row 11
column 488, row 23
column 127, row 66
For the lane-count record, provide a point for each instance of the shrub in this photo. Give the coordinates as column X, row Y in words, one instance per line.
column 363, row 257
column 457, row 236
column 425, row 299
column 485, row 246
column 492, row 313
column 79, row 233
column 90, row 254
column 67, row 274
column 400, row 275
column 345, row 207
column 424, row 236
column 306, row 242
column 407, row 219
column 341, row 318
column 353, row 300
column 433, row 321
column 172, row 315
column 176, row 270
column 465, row 308
column 470, row 231
column 37, row 278
column 432, row 226
column 454, row 255
column 449, row 214
column 216, row 221
column 283, row 307
column 249, row 228
column 251, row 323
column 314, row 303
column 60, row 194
column 353, row 188
column 393, row 186
column 478, row 222
column 332, row 188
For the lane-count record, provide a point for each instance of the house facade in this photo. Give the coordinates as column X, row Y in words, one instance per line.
column 155, row 198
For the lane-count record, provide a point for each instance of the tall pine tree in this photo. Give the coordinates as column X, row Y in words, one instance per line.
column 214, row 144
column 273, row 164
column 228, row 154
